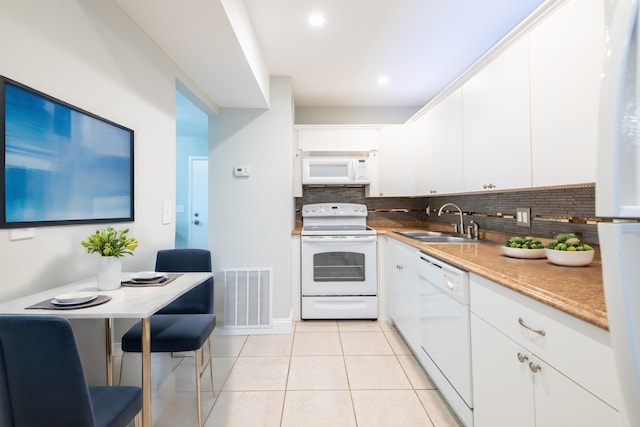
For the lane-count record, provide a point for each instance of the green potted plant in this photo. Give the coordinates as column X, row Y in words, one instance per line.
column 111, row 245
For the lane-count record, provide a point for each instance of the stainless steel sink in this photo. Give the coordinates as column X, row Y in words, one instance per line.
column 422, row 233
column 437, row 237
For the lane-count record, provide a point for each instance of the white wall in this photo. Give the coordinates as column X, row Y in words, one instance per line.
column 250, row 219
column 90, row 55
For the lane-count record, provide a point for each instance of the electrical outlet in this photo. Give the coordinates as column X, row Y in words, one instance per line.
column 22, row 233
column 523, row 217
column 242, row 171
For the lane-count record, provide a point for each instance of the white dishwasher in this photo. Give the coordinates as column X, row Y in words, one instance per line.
column 445, row 331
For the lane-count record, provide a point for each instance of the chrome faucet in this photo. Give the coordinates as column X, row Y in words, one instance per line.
column 473, row 230
column 461, row 229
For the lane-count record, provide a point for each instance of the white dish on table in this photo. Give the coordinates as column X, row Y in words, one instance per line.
column 524, row 253
column 74, row 298
column 147, row 276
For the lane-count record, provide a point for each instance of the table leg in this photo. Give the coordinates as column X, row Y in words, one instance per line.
column 146, row 372
column 108, row 332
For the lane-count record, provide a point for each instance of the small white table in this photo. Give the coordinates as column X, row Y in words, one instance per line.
column 125, row 303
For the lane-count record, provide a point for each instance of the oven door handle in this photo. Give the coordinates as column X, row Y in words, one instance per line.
column 339, row 239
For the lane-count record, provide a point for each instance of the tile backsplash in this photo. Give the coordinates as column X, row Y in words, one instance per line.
column 553, row 209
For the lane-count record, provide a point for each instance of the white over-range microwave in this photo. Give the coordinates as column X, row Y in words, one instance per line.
column 335, row 170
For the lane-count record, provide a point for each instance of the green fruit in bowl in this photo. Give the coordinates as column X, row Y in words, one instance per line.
column 524, row 243
column 568, row 242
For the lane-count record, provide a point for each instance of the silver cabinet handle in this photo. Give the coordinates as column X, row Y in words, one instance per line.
column 522, row 358
column 534, row 367
column 537, row 331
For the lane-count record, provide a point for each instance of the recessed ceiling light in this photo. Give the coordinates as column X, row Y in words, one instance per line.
column 316, row 20
column 383, row 80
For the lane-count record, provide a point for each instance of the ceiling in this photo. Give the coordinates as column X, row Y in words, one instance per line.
column 229, row 48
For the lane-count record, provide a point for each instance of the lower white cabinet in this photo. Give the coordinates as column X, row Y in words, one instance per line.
column 503, row 387
column 404, row 304
column 512, row 387
column 519, row 374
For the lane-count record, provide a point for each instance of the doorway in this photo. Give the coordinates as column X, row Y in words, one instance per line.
column 192, row 149
column 198, row 200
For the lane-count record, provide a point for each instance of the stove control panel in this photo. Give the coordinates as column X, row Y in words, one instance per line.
column 334, row 209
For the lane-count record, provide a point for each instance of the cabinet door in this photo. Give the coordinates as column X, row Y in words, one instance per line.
column 358, row 139
column 439, row 134
column 404, row 308
column 497, row 149
column 425, row 164
column 502, row 387
column 567, row 53
column 561, row 402
column 395, row 157
column 338, row 139
column 448, row 145
column 318, row 139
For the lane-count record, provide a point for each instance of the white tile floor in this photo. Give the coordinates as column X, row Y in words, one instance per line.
column 327, row 373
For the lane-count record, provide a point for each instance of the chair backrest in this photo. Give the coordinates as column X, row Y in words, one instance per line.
column 6, row 415
column 198, row 300
column 43, row 373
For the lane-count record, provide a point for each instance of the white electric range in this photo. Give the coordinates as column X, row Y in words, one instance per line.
column 338, row 262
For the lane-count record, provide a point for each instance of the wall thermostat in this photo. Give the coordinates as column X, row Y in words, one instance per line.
column 241, row 171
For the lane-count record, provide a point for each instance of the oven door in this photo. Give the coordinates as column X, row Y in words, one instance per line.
column 338, row 265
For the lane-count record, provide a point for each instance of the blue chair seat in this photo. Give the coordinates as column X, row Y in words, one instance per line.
column 115, row 407
column 171, row 333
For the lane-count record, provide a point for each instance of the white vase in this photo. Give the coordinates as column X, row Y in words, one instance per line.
column 109, row 272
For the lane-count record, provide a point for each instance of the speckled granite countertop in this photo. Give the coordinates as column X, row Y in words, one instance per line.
column 577, row 291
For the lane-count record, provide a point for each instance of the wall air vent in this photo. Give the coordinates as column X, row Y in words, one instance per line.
column 247, row 297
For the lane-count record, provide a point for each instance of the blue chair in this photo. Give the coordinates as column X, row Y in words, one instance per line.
column 42, row 381
column 186, row 324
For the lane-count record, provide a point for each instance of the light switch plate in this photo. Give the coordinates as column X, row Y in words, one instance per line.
column 523, row 217
column 166, row 212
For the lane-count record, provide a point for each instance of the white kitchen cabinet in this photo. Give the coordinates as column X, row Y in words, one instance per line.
column 402, row 288
column 439, row 137
column 567, row 53
column 331, row 138
column 497, row 149
column 561, row 375
column 395, row 163
column 502, row 386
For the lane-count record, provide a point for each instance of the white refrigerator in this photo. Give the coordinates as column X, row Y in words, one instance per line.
column 618, row 195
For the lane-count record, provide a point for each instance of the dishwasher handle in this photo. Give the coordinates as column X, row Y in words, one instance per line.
column 422, row 258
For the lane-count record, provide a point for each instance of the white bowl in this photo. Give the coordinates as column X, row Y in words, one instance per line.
column 571, row 259
column 523, row 253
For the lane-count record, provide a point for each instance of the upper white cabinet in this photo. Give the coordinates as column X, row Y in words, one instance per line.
column 395, row 163
column 337, row 139
column 497, row 148
column 442, row 131
column 567, row 53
